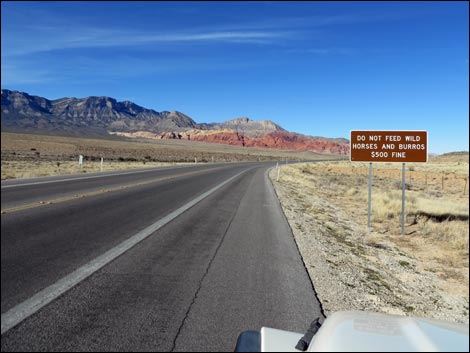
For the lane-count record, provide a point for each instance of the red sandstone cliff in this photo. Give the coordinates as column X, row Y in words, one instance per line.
column 277, row 140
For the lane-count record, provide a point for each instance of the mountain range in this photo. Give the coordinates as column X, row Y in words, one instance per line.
column 100, row 116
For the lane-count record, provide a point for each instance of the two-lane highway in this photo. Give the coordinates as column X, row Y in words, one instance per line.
column 34, row 192
column 171, row 259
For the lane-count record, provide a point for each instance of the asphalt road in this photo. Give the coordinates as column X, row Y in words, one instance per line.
column 217, row 257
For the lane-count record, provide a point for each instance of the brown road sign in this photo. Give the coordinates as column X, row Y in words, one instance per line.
column 389, row 146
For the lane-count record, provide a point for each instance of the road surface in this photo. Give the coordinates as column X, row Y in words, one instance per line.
column 169, row 259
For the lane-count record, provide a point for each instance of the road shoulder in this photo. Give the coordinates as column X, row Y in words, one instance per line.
column 355, row 271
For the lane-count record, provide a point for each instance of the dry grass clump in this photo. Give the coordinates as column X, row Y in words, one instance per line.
column 40, row 168
column 443, row 220
column 388, row 205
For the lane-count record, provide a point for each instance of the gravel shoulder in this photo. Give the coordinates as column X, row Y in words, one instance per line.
column 352, row 269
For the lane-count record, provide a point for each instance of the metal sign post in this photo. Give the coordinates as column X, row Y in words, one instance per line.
column 403, row 182
column 370, row 196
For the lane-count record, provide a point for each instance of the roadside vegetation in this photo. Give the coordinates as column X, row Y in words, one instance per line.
column 423, row 273
column 40, row 168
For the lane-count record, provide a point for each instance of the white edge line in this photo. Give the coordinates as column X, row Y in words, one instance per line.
column 30, row 306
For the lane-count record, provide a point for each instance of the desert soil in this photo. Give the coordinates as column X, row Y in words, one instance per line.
column 423, row 273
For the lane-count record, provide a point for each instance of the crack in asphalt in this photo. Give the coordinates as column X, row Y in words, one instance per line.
column 205, row 274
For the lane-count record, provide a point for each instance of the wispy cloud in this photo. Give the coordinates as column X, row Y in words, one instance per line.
column 321, row 51
column 49, row 39
column 315, row 21
column 80, row 70
column 21, row 71
column 59, row 34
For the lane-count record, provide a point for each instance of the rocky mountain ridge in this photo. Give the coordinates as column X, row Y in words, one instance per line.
column 245, row 126
column 22, row 112
column 97, row 116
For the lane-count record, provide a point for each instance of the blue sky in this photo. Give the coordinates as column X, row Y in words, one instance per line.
column 318, row 68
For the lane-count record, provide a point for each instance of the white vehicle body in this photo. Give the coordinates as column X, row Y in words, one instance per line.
column 356, row 331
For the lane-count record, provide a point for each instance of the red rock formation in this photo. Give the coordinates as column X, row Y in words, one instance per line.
column 293, row 141
column 277, row 140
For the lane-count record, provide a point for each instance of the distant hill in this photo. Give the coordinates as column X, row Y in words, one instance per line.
column 245, row 126
column 454, row 157
column 459, row 153
column 99, row 116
